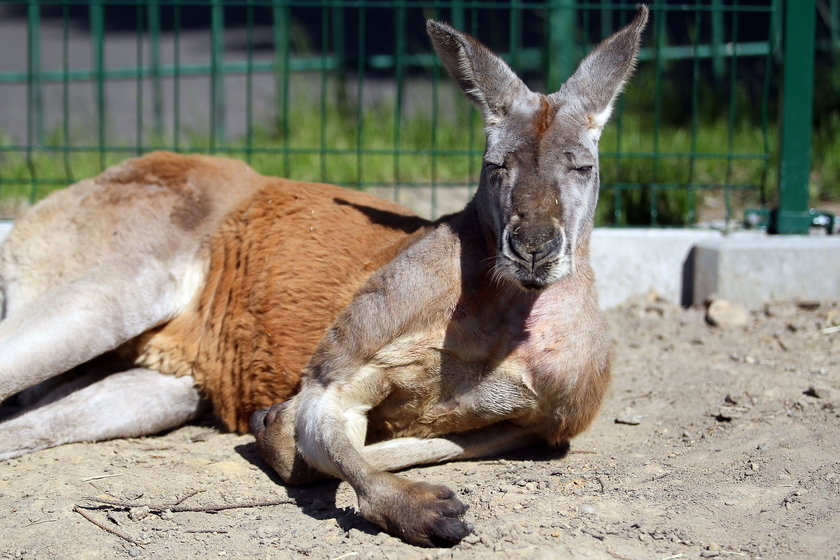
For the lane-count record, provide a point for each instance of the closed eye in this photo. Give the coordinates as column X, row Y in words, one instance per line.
column 583, row 169
column 490, row 166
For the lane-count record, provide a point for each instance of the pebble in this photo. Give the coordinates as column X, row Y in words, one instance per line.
column 726, row 314
column 808, row 305
column 472, row 538
column 629, row 419
column 728, row 414
column 167, row 515
column 586, row 508
column 138, row 513
column 354, row 533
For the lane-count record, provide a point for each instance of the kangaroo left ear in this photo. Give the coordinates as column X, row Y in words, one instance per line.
column 481, row 74
column 601, row 75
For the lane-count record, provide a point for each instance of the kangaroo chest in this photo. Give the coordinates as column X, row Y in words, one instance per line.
column 483, row 366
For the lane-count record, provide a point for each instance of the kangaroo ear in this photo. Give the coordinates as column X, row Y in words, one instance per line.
column 601, row 75
column 481, row 75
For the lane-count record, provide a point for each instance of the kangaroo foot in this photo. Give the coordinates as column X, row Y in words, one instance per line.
column 419, row 513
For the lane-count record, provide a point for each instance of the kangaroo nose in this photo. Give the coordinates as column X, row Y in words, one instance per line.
column 533, row 245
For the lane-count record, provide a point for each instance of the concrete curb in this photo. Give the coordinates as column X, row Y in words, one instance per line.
column 751, row 270
column 634, row 262
column 691, row 266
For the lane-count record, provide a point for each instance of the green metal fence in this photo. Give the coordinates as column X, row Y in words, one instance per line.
column 349, row 92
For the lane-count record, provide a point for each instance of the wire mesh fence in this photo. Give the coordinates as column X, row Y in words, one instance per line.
column 349, row 92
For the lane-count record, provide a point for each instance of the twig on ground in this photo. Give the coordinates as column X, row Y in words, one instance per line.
column 187, row 497
column 348, row 555
column 39, row 521
column 101, row 476
column 176, row 508
column 831, row 330
column 104, row 527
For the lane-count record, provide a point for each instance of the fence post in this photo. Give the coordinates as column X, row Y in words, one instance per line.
column 791, row 216
column 561, row 56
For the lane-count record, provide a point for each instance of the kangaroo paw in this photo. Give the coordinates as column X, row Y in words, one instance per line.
column 419, row 513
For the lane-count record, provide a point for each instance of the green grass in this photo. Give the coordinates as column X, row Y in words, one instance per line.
column 676, row 174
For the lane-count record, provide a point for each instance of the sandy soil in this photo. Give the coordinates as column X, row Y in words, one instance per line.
column 713, row 443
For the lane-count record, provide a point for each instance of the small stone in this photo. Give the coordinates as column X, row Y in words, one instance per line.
column 472, row 538
column 749, row 359
column 354, row 533
column 138, row 513
column 167, row 515
column 808, row 305
column 629, row 419
column 726, row 314
column 709, row 554
column 586, row 508
column 134, row 552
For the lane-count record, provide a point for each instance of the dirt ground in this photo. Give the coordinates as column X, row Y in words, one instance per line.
column 713, row 442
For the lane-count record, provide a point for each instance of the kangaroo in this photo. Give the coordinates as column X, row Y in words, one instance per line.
column 351, row 337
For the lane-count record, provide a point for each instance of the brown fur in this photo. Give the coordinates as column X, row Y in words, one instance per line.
column 543, row 119
column 282, row 267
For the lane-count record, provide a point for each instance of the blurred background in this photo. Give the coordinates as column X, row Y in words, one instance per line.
column 732, row 119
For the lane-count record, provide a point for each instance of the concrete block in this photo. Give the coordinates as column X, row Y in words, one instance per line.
column 752, row 268
column 633, row 262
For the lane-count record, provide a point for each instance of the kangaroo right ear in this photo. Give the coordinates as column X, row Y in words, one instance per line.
column 481, row 75
column 601, row 75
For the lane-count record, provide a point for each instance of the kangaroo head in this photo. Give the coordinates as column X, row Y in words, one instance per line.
column 539, row 182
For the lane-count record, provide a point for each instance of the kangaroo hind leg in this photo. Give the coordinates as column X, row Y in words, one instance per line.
column 131, row 403
column 74, row 322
